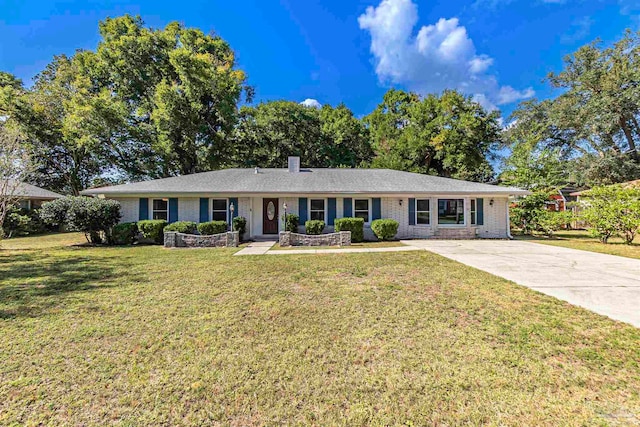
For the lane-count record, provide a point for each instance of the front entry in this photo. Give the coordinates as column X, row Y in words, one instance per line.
column 269, row 216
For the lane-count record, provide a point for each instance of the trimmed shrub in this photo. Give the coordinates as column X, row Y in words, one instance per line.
column 186, row 227
column 212, row 227
column 354, row 225
column 95, row 217
column 125, row 233
column 314, row 226
column 291, row 223
column 240, row 225
column 385, row 229
column 153, row 229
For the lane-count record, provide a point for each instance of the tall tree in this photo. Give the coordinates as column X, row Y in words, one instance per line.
column 329, row 137
column 448, row 135
column 593, row 124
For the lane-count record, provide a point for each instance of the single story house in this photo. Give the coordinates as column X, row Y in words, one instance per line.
column 425, row 206
column 29, row 196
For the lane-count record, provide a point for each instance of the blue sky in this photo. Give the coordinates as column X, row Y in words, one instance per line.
column 347, row 51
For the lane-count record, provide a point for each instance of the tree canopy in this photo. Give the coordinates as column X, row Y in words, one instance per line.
column 591, row 127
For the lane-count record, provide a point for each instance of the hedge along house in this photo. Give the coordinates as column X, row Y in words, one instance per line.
column 424, row 206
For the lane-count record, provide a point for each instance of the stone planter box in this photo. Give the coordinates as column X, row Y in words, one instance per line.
column 342, row 238
column 173, row 239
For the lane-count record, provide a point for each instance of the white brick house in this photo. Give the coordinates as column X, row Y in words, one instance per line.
column 425, row 206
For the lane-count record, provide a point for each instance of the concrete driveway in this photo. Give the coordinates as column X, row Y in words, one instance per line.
column 605, row 284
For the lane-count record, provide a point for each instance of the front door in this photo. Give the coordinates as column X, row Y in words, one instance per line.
column 269, row 216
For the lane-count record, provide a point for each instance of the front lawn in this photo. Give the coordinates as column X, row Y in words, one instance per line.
column 149, row 336
column 580, row 239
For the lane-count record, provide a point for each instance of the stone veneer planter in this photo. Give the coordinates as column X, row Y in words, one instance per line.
column 342, row 238
column 173, row 239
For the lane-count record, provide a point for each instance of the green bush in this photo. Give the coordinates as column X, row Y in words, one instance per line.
column 291, row 222
column 612, row 210
column 125, row 233
column 186, row 227
column 385, row 229
column 314, row 226
column 212, row 227
column 153, row 229
column 93, row 216
column 16, row 223
column 354, row 225
column 240, row 225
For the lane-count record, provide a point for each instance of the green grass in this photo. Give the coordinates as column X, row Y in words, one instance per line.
column 149, row 336
column 580, row 239
column 389, row 244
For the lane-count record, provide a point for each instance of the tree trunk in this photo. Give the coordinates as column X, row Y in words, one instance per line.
column 627, row 133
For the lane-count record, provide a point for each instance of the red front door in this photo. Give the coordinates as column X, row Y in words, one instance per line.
column 269, row 216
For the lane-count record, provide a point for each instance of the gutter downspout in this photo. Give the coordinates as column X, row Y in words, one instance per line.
column 509, row 236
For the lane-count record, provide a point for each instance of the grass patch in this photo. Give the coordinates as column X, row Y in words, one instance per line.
column 148, row 336
column 580, row 239
column 43, row 241
column 387, row 244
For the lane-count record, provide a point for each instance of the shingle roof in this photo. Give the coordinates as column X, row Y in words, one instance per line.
column 316, row 180
column 28, row 191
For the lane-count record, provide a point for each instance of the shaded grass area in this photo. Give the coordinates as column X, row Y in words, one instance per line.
column 147, row 336
column 381, row 244
column 580, row 239
column 43, row 241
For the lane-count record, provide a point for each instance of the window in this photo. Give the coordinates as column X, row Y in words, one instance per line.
column 161, row 209
column 219, row 210
column 361, row 209
column 451, row 211
column 474, row 212
column 422, row 212
column 25, row 204
column 316, row 209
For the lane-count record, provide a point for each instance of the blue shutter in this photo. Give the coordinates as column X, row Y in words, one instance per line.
column 233, row 200
column 376, row 211
column 480, row 209
column 331, row 215
column 143, row 209
column 348, row 204
column 302, row 210
column 173, row 210
column 412, row 211
column 204, row 209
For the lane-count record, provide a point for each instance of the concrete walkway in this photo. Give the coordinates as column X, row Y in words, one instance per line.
column 256, row 248
column 605, row 284
column 342, row 251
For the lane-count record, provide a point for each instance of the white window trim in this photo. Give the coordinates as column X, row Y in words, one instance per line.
column 464, row 212
column 415, row 217
column 211, row 199
column 369, row 204
column 326, row 208
column 153, row 211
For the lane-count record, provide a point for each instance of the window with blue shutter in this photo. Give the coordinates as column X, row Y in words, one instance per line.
column 302, row 207
column 480, row 208
column 173, row 210
column 204, row 209
column 376, row 209
column 412, row 211
column 143, row 209
column 346, row 208
column 331, row 204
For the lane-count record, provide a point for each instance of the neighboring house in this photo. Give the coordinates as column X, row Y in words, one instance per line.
column 424, row 205
column 562, row 199
column 29, row 196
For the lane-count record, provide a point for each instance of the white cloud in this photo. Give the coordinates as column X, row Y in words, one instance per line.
column 579, row 29
column 439, row 56
column 309, row 102
column 507, row 94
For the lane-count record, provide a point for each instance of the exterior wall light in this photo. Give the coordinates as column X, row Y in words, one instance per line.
column 491, row 202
